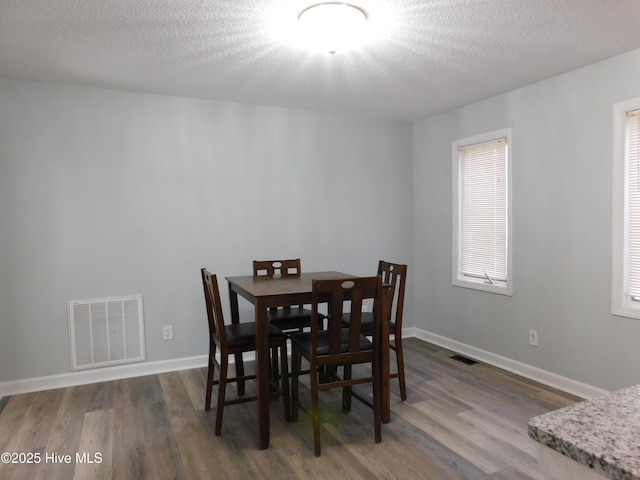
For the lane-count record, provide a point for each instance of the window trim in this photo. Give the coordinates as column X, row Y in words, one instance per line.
column 502, row 288
column 620, row 301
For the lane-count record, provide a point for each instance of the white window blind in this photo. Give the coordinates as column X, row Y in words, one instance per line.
column 625, row 279
column 483, row 215
column 632, row 155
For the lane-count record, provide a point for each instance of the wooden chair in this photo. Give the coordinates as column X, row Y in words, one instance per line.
column 339, row 346
column 394, row 277
column 235, row 339
column 288, row 318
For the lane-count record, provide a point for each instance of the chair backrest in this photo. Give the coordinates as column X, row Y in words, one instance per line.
column 338, row 294
column 217, row 332
column 272, row 268
column 394, row 276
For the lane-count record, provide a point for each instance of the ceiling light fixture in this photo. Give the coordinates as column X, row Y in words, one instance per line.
column 332, row 26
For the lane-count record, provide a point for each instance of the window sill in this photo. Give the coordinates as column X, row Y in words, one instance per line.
column 626, row 311
column 500, row 289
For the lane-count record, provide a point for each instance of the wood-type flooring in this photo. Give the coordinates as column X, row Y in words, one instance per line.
column 460, row 422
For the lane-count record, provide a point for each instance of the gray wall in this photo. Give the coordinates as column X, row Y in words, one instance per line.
column 562, row 200
column 106, row 193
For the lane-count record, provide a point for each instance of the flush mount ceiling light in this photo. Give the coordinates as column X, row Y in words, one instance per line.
column 332, row 26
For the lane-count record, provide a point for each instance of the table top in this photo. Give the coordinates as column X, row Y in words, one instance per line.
column 281, row 285
column 601, row 433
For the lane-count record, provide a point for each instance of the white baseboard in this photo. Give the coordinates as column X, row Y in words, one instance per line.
column 100, row 375
column 545, row 377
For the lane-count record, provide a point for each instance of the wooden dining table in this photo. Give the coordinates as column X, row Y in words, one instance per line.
column 267, row 292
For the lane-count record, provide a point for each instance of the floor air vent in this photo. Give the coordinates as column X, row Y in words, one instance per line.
column 108, row 331
column 462, row 359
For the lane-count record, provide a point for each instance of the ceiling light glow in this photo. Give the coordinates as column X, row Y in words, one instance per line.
column 332, row 27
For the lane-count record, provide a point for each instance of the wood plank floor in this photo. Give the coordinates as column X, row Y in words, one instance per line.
column 459, row 422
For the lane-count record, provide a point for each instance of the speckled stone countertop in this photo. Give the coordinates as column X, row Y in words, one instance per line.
column 602, row 433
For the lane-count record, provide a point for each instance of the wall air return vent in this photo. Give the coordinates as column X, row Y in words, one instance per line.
column 104, row 332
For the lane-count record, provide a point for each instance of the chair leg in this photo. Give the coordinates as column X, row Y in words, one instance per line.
column 240, row 373
column 222, row 390
column 315, row 411
column 400, row 361
column 275, row 370
column 286, row 399
column 377, row 397
column 346, row 391
column 295, row 372
column 210, row 371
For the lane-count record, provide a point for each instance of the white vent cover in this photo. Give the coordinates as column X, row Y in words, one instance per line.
column 108, row 331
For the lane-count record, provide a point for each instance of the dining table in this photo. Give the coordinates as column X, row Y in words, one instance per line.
column 278, row 291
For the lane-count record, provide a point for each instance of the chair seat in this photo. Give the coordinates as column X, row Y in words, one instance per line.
column 303, row 342
column 366, row 322
column 244, row 333
column 292, row 318
column 289, row 313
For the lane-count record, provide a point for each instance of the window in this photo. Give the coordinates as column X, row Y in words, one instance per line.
column 482, row 212
column 626, row 214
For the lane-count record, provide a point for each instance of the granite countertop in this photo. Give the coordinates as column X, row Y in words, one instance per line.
column 602, row 433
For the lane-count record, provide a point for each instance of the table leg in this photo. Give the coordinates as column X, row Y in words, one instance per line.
column 262, row 374
column 235, row 318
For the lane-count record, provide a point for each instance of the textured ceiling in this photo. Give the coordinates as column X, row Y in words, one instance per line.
column 423, row 57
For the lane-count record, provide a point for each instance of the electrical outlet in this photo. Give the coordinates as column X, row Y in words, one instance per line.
column 533, row 338
column 167, row 332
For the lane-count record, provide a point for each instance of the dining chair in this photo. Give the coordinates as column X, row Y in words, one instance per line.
column 339, row 345
column 394, row 278
column 235, row 339
column 290, row 317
